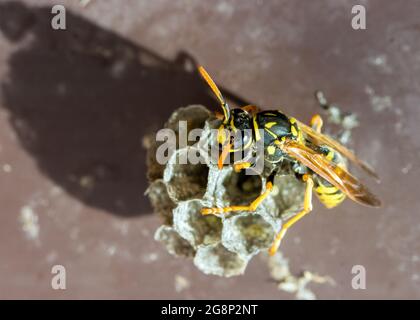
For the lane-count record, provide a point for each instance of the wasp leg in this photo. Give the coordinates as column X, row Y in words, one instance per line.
column 307, row 207
column 251, row 109
column 316, row 123
column 251, row 207
column 241, row 165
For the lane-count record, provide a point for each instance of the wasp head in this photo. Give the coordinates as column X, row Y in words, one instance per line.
column 235, row 135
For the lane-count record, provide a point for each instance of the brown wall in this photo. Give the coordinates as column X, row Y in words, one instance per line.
column 75, row 104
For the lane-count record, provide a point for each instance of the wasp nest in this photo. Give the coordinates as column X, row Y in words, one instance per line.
column 222, row 244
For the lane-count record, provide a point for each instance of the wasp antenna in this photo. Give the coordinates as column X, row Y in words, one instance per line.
column 216, row 91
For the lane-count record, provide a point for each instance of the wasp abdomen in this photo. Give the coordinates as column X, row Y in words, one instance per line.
column 328, row 194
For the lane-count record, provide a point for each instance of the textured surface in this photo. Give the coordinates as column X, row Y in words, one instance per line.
column 223, row 244
column 75, row 105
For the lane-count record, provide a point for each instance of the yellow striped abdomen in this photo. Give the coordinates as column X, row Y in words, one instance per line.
column 329, row 195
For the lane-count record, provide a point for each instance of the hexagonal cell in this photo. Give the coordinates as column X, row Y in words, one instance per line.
column 174, row 243
column 216, row 259
column 194, row 227
column 194, row 115
column 160, row 200
column 241, row 189
column 185, row 181
column 247, row 234
column 154, row 169
column 288, row 195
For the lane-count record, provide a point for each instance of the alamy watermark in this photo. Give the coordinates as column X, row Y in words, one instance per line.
column 358, row 281
column 58, row 281
column 58, row 21
column 358, row 22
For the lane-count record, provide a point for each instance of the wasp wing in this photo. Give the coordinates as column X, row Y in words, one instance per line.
column 322, row 139
column 331, row 172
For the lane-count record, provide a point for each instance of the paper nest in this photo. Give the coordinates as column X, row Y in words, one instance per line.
column 223, row 244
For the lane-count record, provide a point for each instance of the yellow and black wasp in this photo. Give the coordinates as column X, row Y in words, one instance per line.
column 317, row 159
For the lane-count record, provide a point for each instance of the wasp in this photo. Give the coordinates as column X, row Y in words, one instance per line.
column 316, row 159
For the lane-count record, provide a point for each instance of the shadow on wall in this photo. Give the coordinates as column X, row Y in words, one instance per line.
column 81, row 100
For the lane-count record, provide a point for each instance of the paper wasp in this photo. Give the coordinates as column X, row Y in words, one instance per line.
column 316, row 158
